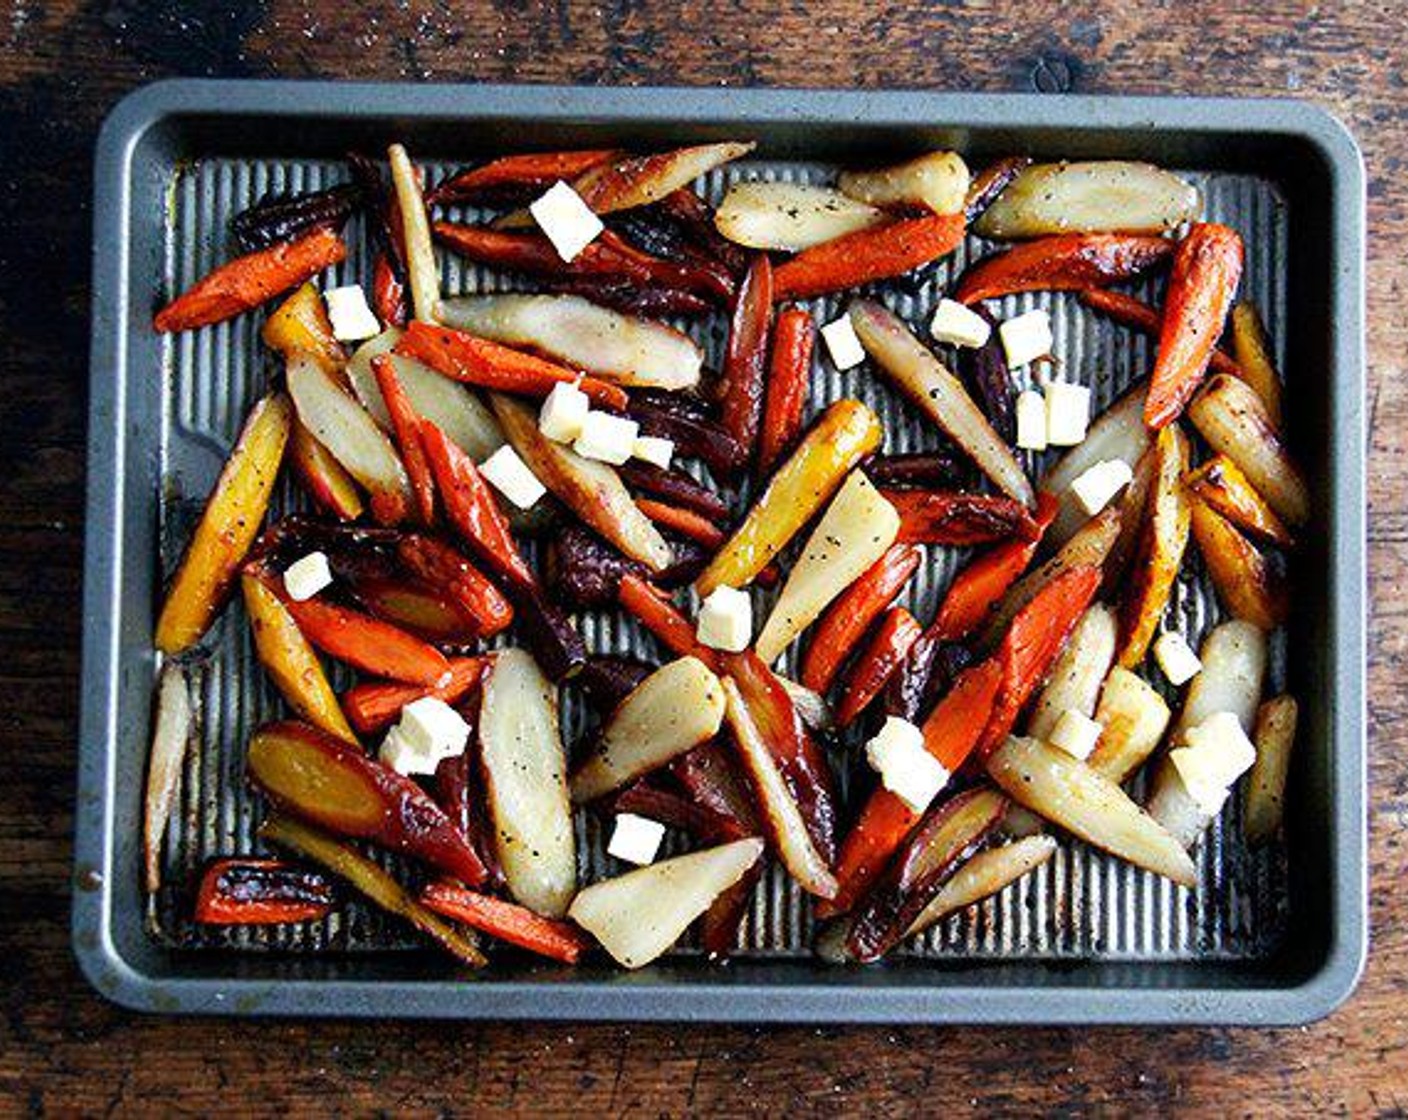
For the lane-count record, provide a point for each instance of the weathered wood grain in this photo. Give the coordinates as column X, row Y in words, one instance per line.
column 63, row 63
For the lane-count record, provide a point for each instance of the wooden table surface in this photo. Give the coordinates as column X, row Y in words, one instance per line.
column 64, row 63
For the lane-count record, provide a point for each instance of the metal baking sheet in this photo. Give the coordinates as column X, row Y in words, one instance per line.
column 1085, row 937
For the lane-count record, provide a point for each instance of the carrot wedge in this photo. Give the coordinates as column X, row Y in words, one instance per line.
column 472, row 509
column 245, row 891
column 1221, row 483
column 245, row 282
column 290, row 661
column 477, row 361
column 958, row 519
column 405, row 427
column 432, row 560
column 868, row 255
column 508, row 921
column 975, row 591
column 373, row 706
column 1206, row 269
column 367, row 643
column 1140, row 316
column 744, row 374
column 521, row 173
column 850, row 616
column 227, row 528
column 323, row 476
column 877, row 663
column 793, row 336
column 1065, row 262
column 1247, row 585
column 656, row 613
column 686, row 522
column 950, row 734
column 301, row 323
column 1034, row 640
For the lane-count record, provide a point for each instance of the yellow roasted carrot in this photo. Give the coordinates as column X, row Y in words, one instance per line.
column 845, row 434
column 227, row 527
column 1221, row 483
column 1244, row 580
column 1162, row 540
column 290, row 661
column 1252, row 350
column 301, row 323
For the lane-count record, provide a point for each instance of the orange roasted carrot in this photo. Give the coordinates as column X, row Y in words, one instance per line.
column 867, row 255
column 367, row 643
column 656, row 613
column 1063, row 262
column 957, row 518
column 1201, row 288
column 686, row 522
column 374, row 706
column 1033, row 641
column 246, row 891
column 439, row 565
column 950, row 734
column 876, row 664
column 405, row 426
column 323, row 476
column 744, row 378
column 489, row 365
column 1140, row 316
column 388, row 292
column 532, row 170
column 792, row 338
column 850, row 616
column 508, row 921
column 246, row 282
column 472, row 509
column 978, row 587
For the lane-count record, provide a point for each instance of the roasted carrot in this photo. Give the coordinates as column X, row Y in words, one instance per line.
column 609, row 256
column 508, row 921
column 1247, row 585
column 388, row 293
column 432, row 560
column 227, row 528
column 686, row 522
column 868, row 255
column 367, row 643
column 242, row 891
column 849, row 617
column 301, row 323
column 877, row 663
column 1140, row 316
column 375, row 705
column 531, row 171
column 472, row 509
column 1225, row 488
column 958, row 519
column 1206, row 269
column 793, row 336
column 656, row 613
column 744, row 378
column 1033, row 641
column 950, row 734
column 289, row 659
column 699, row 820
column 477, row 361
column 413, row 605
column 246, row 282
column 405, row 427
column 325, row 479
column 1070, row 260
column 978, row 587
column 802, row 763
column 674, row 487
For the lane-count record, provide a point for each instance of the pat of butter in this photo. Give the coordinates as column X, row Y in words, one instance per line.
column 906, row 769
column 958, row 325
column 305, row 577
column 1026, row 337
column 842, row 343
column 725, row 620
column 635, row 839
column 567, row 221
column 511, row 477
column 606, row 438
